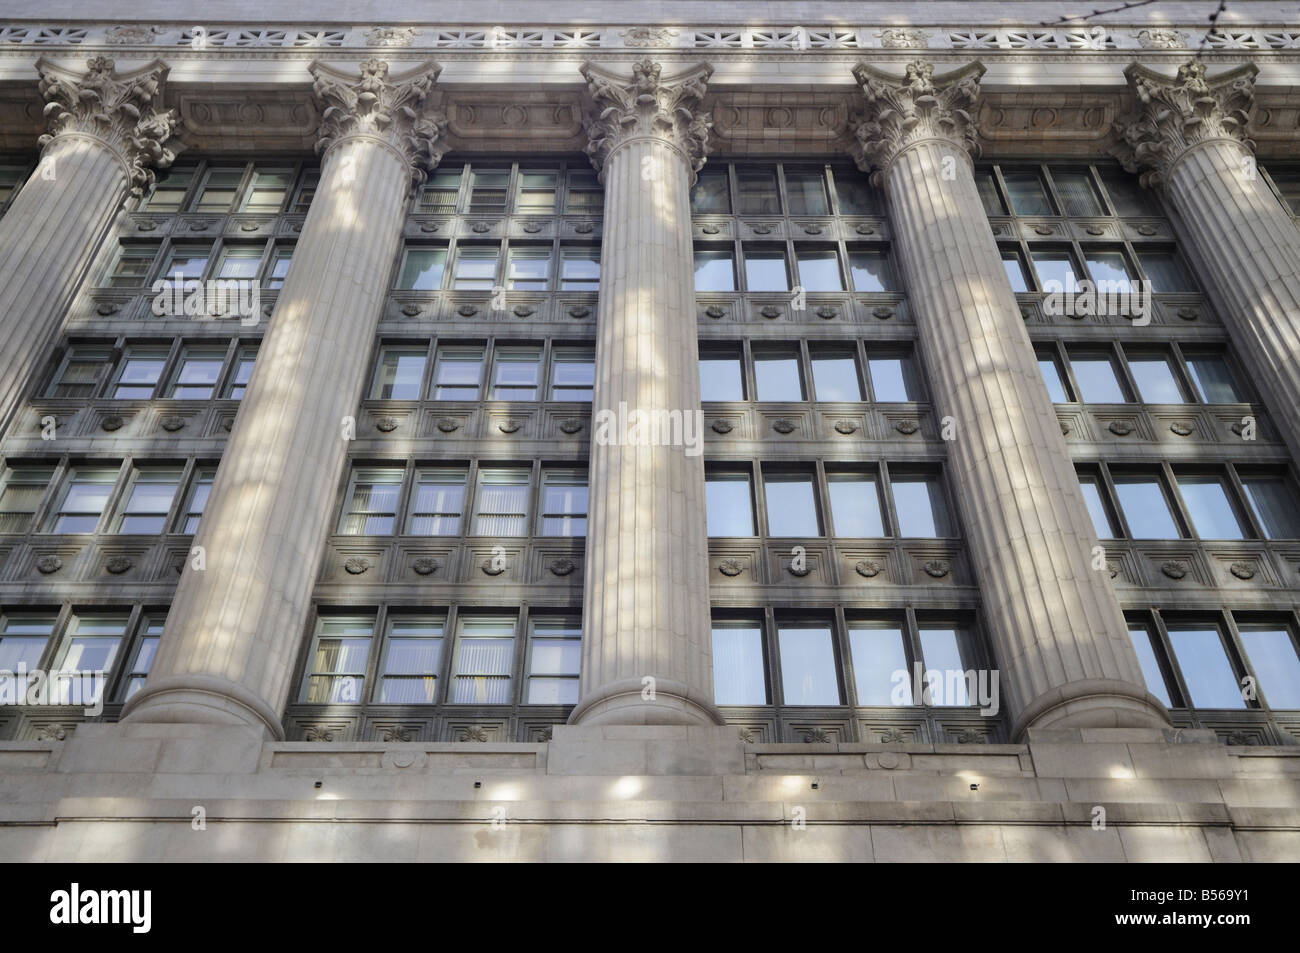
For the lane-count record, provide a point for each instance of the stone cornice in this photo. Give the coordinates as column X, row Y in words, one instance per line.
column 647, row 105
column 116, row 110
column 916, row 107
column 1174, row 115
column 396, row 111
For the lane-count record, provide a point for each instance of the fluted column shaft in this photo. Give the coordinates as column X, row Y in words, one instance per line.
column 55, row 224
column 647, row 654
column 227, row 652
column 1060, row 639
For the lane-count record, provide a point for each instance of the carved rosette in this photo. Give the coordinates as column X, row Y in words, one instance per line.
column 1172, row 116
column 398, row 111
column 647, row 105
column 920, row 106
column 118, row 110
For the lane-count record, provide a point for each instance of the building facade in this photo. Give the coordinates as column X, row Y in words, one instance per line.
column 685, row 437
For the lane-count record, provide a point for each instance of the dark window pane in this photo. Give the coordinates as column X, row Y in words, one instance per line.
column 988, row 190
column 1127, row 197
column 757, row 192
column 1275, row 506
column 855, row 194
column 1028, row 197
column 1076, row 192
column 805, row 190
column 709, row 196
column 1165, row 272
column 1214, row 379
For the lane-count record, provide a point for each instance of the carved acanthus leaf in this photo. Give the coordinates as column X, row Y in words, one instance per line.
column 1171, row 116
column 117, row 109
column 647, row 105
column 920, row 106
column 398, row 110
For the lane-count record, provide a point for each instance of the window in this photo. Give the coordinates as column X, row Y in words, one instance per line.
column 1205, row 666
column 1109, row 268
column 579, row 268
column 437, row 503
column 528, row 268
column 989, row 195
column 1272, row 500
column 819, row 269
column 132, row 265
column 502, row 506
column 306, row 192
column 85, row 494
column 564, row 504
column 197, row 373
column 408, row 673
column 1097, row 377
column 145, row 651
column 336, row 671
column 756, row 192
column 400, row 374
column 200, row 489
column 855, row 194
column 1053, row 378
column 805, row 191
column 1146, row 507
column 1076, row 191
column 573, row 374
column 1152, row 674
column 169, row 189
column 835, row 376
column 88, row 653
column 720, row 376
column 1165, row 272
column 791, row 505
column 138, row 374
column 585, row 193
column 870, row 271
column 1028, row 197
column 1271, row 649
column 24, row 488
column 1102, row 522
column 776, row 376
column 269, row 190
column 1127, row 197
column 894, row 378
column 148, row 501
column 438, row 197
column 738, row 673
column 23, row 639
column 715, row 269
column 765, row 269
column 371, row 506
column 458, row 373
column 485, row 649
column 920, row 504
column 855, row 505
column 1213, row 514
column 220, row 186
column 946, row 651
column 422, row 269
column 710, row 194
column 488, row 190
column 1155, row 379
column 1055, row 268
column 476, row 267
column 516, row 374
column 239, row 262
column 1288, row 187
column 728, row 505
column 808, row 670
column 183, row 263
column 536, row 193
column 879, row 655
column 281, row 258
column 80, row 374
column 243, row 370
column 1014, row 264
column 1214, row 380
column 554, row 660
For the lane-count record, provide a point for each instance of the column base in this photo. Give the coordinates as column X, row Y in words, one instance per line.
column 201, row 700
column 622, row 703
column 1093, row 703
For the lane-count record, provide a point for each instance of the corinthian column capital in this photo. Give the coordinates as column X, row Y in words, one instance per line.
column 1173, row 115
column 649, row 105
column 116, row 110
column 395, row 111
column 915, row 108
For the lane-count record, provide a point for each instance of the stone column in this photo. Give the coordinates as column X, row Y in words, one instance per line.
column 105, row 134
column 1059, row 637
column 1187, row 136
column 235, row 626
column 646, row 592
